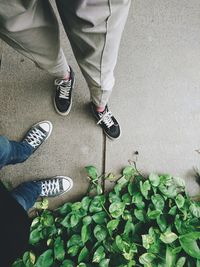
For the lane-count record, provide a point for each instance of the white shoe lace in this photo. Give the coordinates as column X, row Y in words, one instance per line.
column 35, row 137
column 64, row 86
column 50, row 187
column 107, row 119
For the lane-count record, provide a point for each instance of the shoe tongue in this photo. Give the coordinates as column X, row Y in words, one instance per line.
column 61, row 184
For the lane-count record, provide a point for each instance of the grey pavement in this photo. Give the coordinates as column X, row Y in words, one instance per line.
column 156, row 99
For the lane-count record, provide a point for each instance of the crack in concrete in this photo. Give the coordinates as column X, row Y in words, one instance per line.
column 103, row 161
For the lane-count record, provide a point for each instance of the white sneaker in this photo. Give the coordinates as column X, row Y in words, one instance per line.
column 38, row 133
column 55, row 186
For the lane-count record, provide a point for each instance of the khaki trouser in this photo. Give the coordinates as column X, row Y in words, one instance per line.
column 94, row 29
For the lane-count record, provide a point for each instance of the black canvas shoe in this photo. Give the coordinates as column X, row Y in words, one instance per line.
column 107, row 121
column 63, row 95
column 37, row 134
column 55, row 186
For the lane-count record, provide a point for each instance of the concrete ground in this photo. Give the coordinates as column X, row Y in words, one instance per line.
column 156, row 99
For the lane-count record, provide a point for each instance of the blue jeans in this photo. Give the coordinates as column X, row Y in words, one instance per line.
column 12, row 152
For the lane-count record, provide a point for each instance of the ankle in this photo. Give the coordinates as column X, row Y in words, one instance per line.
column 100, row 109
column 67, row 76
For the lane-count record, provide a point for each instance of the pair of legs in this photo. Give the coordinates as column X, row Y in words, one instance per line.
column 94, row 29
column 12, row 152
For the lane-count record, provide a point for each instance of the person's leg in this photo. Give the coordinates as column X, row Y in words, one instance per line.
column 30, row 27
column 12, row 152
column 27, row 193
column 94, row 29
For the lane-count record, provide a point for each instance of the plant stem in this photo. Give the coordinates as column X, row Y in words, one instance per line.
column 106, row 211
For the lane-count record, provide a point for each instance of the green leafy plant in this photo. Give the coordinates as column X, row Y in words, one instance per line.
column 148, row 222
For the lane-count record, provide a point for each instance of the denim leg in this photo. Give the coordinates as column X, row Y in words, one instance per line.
column 27, row 193
column 12, row 152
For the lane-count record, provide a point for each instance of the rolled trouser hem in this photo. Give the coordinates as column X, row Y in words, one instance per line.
column 100, row 93
column 100, row 97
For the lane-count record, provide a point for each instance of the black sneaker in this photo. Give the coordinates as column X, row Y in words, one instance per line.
column 63, row 95
column 37, row 134
column 56, row 186
column 107, row 121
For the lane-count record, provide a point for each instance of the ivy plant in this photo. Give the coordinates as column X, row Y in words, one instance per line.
column 148, row 222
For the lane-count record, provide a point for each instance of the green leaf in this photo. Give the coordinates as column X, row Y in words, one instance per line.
column 66, row 221
column 139, row 214
column 99, row 254
column 127, row 215
column 179, row 182
column 76, row 206
column 153, row 214
column 114, row 198
column 59, row 251
column 180, row 200
column 82, row 264
column 170, row 257
column 74, row 220
column 85, row 233
column 168, row 237
column 158, row 202
column 195, row 210
column 120, row 243
column 176, row 250
column 162, row 223
column 45, row 259
column 126, row 198
column 181, row 262
column 85, row 202
column 128, row 171
column 173, row 211
column 147, row 240
column 35, row 236
column 92, row 172
column 87, row 220
column 29, row 259
column 104, row 263
column 83, row 254
column 110, row 176
column 42, row 205
column 137, row 199
column 112, row 225
column 129, row 227
column 67, row 263
column 73, row 251
column 100, row 233
column 100, row 217
column 189, row 244
column 154, row 179
column 65, row 209
column 116, row 209
column 74, row 240
column 96, row 204
column 35, row 222
column 147, row 258
column 18, row 263
column 145, row 188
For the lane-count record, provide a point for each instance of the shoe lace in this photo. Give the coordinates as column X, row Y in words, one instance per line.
column 106, row 119
column 35, row 137
column 50, row 187
column 64, row 87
